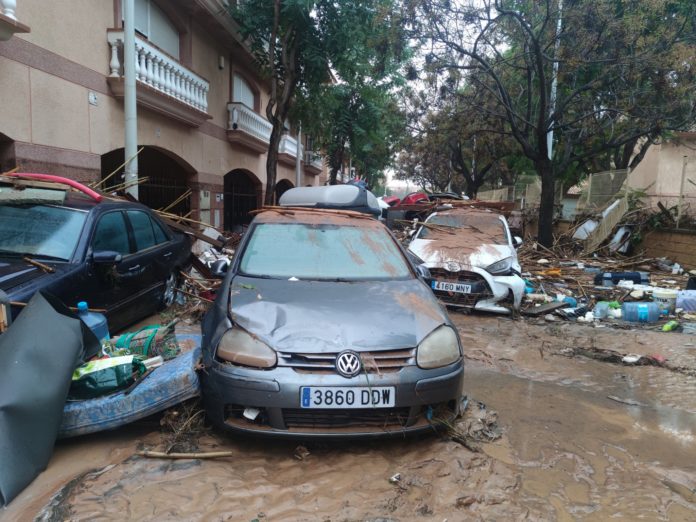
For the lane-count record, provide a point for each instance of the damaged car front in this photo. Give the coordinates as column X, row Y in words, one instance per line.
column 322, row 327
column 472, row 259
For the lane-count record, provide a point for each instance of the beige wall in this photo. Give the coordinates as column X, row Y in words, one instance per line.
column 50, row 73
column 74, row 29
column 661, row 172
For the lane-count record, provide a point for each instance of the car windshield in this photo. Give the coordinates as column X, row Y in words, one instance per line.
column 483, row 225
column 322, row 252
column 40, row 230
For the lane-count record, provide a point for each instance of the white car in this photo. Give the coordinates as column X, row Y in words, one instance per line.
column 472, row 259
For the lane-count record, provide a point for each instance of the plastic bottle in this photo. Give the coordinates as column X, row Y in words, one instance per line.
column 95, row 321
column 601, row 310
column 640, row 312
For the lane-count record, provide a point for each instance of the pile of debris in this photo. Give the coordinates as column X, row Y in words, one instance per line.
column 618, row 291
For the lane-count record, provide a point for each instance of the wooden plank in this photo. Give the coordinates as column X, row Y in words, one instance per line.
column 201, row 268
column 536, row 311
column 192, row 231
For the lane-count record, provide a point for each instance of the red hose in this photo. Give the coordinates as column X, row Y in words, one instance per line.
column 58, row 179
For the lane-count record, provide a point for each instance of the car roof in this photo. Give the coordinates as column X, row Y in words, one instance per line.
column 466, row 211
column 317, row 217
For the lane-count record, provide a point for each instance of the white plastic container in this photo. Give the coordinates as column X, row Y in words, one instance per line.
column 666, row 299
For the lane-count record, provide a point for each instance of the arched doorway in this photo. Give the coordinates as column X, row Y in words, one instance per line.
column 242, row 195
column 7, row 153
column 167, row 177
column 281, row 187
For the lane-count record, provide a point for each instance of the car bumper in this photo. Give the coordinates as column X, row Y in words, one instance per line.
column 498, row 289
column 421, row 396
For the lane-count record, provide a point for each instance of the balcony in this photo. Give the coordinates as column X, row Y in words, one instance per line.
column 314, row 163
column 247, row 128
column 162, row 83
column 9, row 24
column 287, row 150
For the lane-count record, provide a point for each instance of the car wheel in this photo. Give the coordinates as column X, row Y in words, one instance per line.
column 170, row 286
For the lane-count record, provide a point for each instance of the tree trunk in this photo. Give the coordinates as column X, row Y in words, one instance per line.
column 546, row 205
column 272, row 162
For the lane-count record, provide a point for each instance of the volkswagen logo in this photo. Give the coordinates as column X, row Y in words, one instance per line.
column 452, row 266
column 348, row 363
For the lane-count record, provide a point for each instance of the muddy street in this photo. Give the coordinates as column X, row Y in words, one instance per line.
column 581, row 440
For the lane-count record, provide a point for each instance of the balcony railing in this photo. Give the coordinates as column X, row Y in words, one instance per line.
column 9, row 8
column 248, row 128
column 162, row 82
column 287, row 150
column 313, row 161
column 9, row 24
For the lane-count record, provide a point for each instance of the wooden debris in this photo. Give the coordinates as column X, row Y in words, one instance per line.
column 206, row 455
column 536, row 311
column 45, row 268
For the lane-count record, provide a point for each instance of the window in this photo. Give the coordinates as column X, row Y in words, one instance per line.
column 242, row 92
column 39, row 230
column 153, row 24
column 142, row 230
column 111, row 234
column 160, row 234
column 481, row 227
column 323, row 252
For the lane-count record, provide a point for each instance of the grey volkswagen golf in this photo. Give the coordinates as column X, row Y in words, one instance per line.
column 323, row 327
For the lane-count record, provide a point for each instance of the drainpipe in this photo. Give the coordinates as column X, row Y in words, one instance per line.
column 129, row 105
column 298, row 159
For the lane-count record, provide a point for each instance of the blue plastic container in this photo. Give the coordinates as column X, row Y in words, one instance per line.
column 640, row 312
column 95, row 321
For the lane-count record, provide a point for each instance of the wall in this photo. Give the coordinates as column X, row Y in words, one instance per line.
column 677, row 246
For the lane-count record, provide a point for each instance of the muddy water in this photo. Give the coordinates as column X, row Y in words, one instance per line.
column 569, row 452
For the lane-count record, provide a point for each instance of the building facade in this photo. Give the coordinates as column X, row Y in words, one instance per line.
column 201, row 103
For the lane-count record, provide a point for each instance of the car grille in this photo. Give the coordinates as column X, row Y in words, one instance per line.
column 383, row 361
column 371, row 417
column 479, row 287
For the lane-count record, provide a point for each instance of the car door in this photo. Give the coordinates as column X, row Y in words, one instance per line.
column 153, row 252
column 108, row 286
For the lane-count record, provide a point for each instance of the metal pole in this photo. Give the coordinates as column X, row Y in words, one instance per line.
column 681, row 190
column 298, row 160
column 554, row 80
column 129, row 100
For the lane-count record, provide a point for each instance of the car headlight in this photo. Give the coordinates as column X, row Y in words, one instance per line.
column 500, row 267
column 240, row 347
column 438, row 349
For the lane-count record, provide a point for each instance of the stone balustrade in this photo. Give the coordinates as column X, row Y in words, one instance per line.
column 9, row 8
column 288, row 145
column 160, row 72
column 243, row 120
column 314, row 160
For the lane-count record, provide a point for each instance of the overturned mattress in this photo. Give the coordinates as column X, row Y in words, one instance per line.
column 173, row 382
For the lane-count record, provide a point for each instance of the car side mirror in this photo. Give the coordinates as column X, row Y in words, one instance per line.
column 423, row 272
column 219, row 268
column 518, row 241
column 105, row 257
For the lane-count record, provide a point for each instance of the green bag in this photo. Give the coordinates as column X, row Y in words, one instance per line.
column 103, row 376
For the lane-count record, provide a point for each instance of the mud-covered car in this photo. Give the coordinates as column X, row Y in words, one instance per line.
column 323, row 327
column 472, row 259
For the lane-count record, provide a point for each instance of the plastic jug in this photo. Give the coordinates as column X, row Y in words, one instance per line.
column 95, row 321
column 640, row 312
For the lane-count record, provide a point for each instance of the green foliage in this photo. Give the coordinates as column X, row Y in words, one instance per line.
column 346, row 57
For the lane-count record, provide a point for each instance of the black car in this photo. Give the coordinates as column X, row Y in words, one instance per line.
column 114, row 254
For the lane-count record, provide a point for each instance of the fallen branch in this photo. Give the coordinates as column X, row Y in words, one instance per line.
column 163, row 455
column 37, row 264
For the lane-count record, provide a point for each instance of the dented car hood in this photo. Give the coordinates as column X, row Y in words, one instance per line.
column 435, row 253
column 319, row 316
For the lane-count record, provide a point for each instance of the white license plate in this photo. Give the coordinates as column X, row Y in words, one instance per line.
column 345, row 397
column 460, row 288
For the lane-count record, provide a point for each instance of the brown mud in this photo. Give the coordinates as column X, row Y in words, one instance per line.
column 568, row 451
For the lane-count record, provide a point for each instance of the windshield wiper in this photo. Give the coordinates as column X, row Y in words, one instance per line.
column 30, row 255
